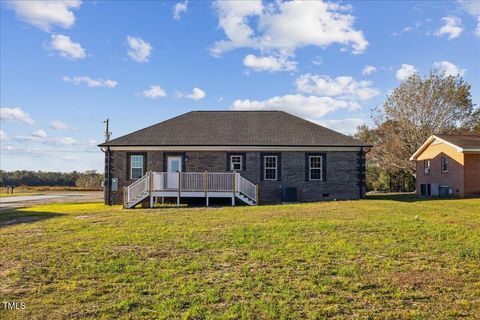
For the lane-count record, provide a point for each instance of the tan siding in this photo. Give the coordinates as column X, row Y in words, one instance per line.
column 433, row 150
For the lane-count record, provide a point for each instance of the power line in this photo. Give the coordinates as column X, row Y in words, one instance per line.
column 51, row 150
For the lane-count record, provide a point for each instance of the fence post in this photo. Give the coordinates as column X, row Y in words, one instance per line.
column 123, row 197
column 150, row 183
column 233, row 187
column 234, row 182
column 205, row 185
column 179, row 187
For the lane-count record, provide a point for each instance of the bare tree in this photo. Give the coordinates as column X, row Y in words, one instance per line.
column 415, row 110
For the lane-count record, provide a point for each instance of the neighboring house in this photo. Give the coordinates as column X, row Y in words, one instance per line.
column 448, row 165
column 252, row 156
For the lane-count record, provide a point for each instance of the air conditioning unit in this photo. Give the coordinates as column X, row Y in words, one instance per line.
column 427, row 170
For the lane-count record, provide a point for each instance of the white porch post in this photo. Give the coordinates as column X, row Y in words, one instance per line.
column 205, row 182
column 150, row 182
column 179, row 187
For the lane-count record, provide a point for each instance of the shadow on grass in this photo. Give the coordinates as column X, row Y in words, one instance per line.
column 15, row 216
column 405, row 197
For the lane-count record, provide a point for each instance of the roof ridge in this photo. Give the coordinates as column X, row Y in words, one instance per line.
column 238, row 111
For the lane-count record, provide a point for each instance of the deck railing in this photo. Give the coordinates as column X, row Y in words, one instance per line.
column 139, row 187
column 191, row 182
column 246, row 187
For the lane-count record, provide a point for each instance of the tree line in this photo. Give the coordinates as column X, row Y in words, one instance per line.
column 417, row 109
column 88, row 179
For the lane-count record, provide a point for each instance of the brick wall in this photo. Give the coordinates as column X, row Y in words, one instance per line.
column 344, row 173
column 453, row 178
column 472, row 175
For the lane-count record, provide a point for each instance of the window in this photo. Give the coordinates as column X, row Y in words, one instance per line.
column 315, row 167
column 236, row 163
column 426, row 167
column 270, row 165
column 136, row 166
column 444, row 164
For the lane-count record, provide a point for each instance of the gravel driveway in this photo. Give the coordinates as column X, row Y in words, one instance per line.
column 57, row 197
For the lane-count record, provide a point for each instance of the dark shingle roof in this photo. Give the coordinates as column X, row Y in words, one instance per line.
column 462, row 141
column 235, row 128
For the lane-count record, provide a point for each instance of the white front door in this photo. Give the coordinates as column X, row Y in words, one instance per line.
column 174, row 165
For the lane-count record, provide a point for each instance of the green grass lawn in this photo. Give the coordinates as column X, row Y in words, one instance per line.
column 383, row 259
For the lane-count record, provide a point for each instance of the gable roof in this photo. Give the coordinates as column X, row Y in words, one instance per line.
column 462, row 143
column 235, row 128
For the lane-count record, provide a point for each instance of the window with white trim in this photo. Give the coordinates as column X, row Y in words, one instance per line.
column 426, row 167
column 136, row 166
column 315, row 168
column 444, row 161
column 236, row 163
column 270, row 167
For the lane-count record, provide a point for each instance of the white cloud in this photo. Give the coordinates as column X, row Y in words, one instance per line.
column 15, row 114
column 179, row 8
column 405, row 71
column 92, row 143
column 301, row 105
column 58, row 125
column 415, row 26
column 66, row 47
column 154, row 91
column 269, row 63
column 317, row 96
column 91, row 82
column 477, row 30
column 233, row 19
column 139, row 50
column 343, row 87
column 39, row 134
column 452, row 27
column 45, row 14
column 346, row 126
column 368, row 70
column 197, row 94
column 317, row 61
column 471, row 7
column 3, row 136
column 66, row 141
column 448, row 68
column 284, row 27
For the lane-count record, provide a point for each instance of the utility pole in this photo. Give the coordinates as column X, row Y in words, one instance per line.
column 107, row 132
column 108, row 178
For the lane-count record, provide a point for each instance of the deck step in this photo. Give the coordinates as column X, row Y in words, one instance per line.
column 245, row 199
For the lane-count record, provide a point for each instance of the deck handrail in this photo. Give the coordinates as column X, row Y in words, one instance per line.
column 246, row 187
column 137, row 188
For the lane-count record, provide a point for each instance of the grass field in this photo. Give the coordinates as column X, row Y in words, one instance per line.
column 354, row 259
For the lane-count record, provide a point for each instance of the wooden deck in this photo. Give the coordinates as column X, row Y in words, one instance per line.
column 190, row 184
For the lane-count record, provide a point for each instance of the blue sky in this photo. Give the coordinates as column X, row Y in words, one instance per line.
column 67, row 65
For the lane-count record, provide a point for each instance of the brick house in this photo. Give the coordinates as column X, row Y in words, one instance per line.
column 248, row 156
column 448, row 165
